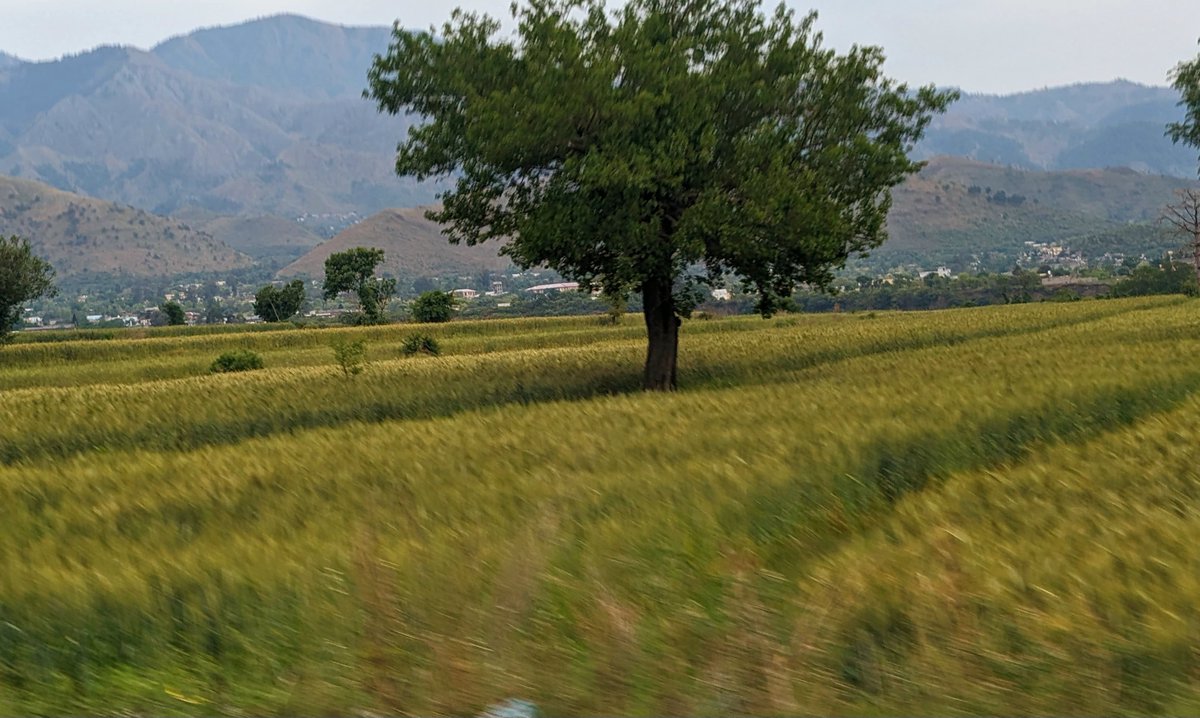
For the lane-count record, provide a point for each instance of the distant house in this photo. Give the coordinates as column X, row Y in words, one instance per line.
column 95, row 317
column 557, row 287
column 464, row 293
column 721, row 295
column 943, row 272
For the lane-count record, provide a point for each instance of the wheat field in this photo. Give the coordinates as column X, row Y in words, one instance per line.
column 978, row 511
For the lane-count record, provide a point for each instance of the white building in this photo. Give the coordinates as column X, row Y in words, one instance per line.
column 556, row 287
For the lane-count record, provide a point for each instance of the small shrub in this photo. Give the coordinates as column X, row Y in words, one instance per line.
column 350, row 356
column 237, row 360
column 420, row 344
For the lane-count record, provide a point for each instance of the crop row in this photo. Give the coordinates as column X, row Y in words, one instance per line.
column 185, row 413
column 625, row 554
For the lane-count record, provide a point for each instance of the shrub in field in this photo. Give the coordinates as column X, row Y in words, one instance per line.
column 350, row 356
column 237, row 360
column 420, row 344
column 433, row 307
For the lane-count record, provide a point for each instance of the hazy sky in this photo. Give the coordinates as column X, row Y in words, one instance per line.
column 979, row 45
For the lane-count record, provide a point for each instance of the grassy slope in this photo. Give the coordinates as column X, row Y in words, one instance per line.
column 838, row 514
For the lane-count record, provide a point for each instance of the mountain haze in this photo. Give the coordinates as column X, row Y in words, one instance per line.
column 280, row 54
column 267, row 118
column 1114, row 124
column 264, row 118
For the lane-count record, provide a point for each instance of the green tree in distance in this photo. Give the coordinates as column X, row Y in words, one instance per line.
column 173, row 311
column 23, row 277
column 433, row 306
column 278, row 305
column 354, row 271
column 658, row 145
column 1186, row 78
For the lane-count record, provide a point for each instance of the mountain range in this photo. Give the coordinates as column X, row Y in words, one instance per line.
column 237, row 132
column 264, row 118
column 1114, row 124
column 267, row 118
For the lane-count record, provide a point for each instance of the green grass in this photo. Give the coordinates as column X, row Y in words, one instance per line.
column 836, row 514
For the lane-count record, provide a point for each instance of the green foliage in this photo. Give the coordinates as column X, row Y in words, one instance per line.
column 173, row 313
column 1171, row 278
column 621, row 149
column 1186, row 79
column 433, row 306
column 278, row 305
column 237, row 360
column 350, row 356
column 23, row 277
column 354, row 271
column 420, row 344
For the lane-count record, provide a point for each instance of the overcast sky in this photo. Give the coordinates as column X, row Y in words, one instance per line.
column 994, row 46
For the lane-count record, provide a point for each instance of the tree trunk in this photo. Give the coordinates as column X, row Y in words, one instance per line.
column 662, row 331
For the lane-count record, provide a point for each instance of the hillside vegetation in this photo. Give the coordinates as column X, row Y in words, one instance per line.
column 956, row 209
column 973, row 511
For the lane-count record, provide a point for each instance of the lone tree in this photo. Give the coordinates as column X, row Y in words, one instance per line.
column 23, row 277
column 433, row 306
column 278, row 305
column 663, row 144
column 354, row 271
column 173, row 313
column 1186, row 78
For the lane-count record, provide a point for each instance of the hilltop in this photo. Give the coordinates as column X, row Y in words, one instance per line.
column 81, row 235
column 412, row 244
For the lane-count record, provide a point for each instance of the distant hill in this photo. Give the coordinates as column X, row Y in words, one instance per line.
column 957, row 208
column 412, row 245
column 1113, row 124
column 7, row 61
column 81, row 235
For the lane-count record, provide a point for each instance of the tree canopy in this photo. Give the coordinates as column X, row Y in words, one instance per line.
column 23, row 277
column 277, row 305
column 662, row 144
column 173, row 313
column 1186, row 79
column 354, row 271
column 433, row 306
